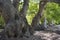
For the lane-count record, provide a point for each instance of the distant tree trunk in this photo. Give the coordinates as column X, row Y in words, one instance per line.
column 45, row 22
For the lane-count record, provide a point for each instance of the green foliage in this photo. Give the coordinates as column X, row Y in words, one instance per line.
column 20, row 5
column 53, row 12
column 33, row 9
column 1, row 22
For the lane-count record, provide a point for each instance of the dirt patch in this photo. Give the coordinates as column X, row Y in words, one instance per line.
column 47, row 35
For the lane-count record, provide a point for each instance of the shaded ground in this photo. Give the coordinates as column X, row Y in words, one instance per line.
column 39, row 35
column 46, row 35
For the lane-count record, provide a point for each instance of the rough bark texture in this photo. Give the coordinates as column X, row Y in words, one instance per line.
column 15, row 3
column 14, row 22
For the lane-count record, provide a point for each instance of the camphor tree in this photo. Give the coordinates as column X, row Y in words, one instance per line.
column 16, row 23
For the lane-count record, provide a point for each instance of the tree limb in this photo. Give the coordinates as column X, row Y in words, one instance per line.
column 56, row 1
column 25, row 7
column 37, row 17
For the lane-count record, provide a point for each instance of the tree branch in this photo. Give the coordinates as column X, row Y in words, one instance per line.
column 25, row 7
column 56, row 1
column 37, row 17
column 24, row 10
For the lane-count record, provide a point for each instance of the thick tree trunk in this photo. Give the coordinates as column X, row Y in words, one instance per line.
column 15, row 24
column 15, row 3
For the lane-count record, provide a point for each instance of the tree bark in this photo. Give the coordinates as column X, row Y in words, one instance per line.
column 16, row 3
column 10, row 13
column 38, row 16
column 6, row 10
column 25, row 7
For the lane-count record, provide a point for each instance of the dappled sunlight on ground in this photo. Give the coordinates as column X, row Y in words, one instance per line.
column 47, row 35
